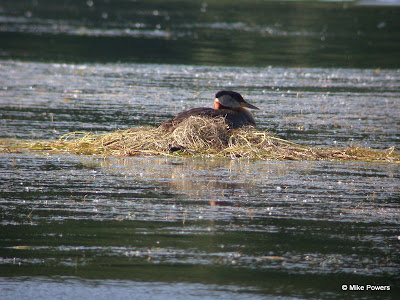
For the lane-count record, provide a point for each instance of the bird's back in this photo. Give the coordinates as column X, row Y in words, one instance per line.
column 234, row 118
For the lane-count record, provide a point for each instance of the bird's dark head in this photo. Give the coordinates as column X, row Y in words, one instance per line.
column 230, row 99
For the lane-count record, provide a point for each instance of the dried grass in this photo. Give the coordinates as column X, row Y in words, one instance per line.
column 198, row 136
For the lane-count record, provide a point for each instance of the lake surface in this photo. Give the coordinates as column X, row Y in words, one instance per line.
column 323, row 74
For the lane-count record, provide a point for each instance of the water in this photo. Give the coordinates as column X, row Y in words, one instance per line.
column 323, row 74
column 324, row 107
column 243, row 33
column 262, row 226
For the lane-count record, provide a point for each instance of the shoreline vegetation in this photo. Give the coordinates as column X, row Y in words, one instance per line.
column 196, row 136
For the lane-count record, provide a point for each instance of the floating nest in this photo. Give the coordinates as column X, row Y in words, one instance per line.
column 198, row 136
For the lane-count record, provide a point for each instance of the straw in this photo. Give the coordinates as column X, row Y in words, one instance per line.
column 198, row 136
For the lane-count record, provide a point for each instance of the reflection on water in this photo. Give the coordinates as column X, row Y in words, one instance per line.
column 231, row 222
column 44, row 288
column 246, row 33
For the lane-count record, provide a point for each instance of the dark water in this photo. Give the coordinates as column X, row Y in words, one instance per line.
column 240, row 33
column 324, row 74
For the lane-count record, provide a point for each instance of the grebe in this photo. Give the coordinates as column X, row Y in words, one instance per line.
column 227, row 104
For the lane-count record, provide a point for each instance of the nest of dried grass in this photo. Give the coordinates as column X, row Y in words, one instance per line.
column 205, row 137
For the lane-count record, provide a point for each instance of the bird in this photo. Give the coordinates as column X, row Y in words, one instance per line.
column 229, row 105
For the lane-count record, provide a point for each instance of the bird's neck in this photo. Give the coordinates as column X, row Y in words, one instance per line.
column 218, row 105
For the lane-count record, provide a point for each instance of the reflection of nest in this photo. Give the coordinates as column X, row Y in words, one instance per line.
column 206, row 137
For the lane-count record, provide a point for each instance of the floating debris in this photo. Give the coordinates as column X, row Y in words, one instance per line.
column 197, row 136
